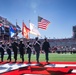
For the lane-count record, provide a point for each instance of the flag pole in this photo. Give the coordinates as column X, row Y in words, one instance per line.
column 29, row 27
column 22, row 27
column 37, row 24
column 16, row 21
column 16, row 30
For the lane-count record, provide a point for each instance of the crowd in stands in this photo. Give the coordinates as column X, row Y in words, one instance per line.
column 56, row 45
column 46, row 46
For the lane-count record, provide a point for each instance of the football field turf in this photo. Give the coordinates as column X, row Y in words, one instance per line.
column 52, row 57
column 59, row 64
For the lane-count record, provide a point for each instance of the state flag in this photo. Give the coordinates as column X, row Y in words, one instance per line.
column 25, row 31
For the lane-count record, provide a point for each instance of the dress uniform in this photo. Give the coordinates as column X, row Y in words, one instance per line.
column 37, row 44
column 15, row 50
column 21, row 50
column 8, row 51
column 1, row 51
column 45, row 47
column 29, row 47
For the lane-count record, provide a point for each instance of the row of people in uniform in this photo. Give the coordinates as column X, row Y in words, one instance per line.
column 21, row 46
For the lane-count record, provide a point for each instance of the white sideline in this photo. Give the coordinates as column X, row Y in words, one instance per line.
column 60, row 65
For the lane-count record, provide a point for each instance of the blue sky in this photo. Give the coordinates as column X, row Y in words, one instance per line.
column 61, row 14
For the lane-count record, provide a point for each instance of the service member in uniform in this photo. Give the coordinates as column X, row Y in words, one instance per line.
column 8, row 49
column 21, row 50
column 29, row 50
column 15, row 49
column 46, row 47
column 37, row 44
column 1, row 51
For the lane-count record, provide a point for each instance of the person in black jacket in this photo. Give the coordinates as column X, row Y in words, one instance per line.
column 21, row 50
column 1, row 51
column 8, row 49
column 46, row 47
column 29, row 50
column 37, row 45
column 15, row 49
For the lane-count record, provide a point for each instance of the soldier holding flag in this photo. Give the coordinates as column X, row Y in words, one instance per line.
column 37, row 44
column 29, row 50
column 21, row 49
column 1, row 51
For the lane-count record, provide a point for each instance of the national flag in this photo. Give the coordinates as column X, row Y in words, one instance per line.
column 12, row 32
column 17, row 30
column 25, row 31
column 18, row 27
column 33, row 30
column 42, row 23
column 14, row 27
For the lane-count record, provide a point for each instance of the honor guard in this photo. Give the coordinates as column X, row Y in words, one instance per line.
column 8, row 49
column 15, row 50
column 46, row 48
column 37, row 44
column 1, row 51
column 21, row 50
column 29, row 50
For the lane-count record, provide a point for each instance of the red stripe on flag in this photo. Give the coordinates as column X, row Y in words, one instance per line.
column 43, row 24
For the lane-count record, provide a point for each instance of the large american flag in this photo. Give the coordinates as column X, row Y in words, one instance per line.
column 42, row 23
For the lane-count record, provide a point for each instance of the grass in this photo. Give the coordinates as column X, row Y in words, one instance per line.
column 52, row 57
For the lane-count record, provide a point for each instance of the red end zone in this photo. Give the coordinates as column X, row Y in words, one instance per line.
column 52, row 68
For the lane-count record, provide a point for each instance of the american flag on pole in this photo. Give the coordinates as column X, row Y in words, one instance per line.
column 43, row 23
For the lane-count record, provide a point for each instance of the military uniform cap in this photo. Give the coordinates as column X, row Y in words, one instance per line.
column 36, row 38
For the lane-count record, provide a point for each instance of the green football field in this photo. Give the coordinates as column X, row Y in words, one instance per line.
column 52, row 57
